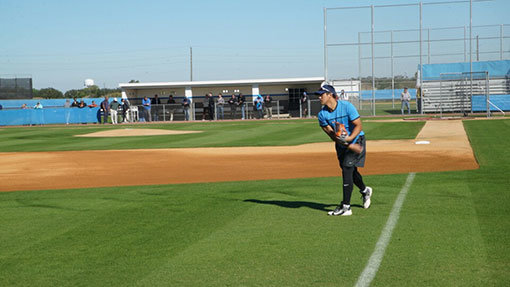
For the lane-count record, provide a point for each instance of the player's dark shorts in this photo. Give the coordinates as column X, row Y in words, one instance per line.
column 349, row 158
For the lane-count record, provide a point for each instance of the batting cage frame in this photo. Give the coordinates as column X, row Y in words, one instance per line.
column 383, row 49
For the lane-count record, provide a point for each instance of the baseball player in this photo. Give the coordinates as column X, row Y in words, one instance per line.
column 350, row 148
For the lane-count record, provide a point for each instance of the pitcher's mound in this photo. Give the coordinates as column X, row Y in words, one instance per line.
column 136, row 132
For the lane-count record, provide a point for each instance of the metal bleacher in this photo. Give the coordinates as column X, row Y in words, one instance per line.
column 463, row 91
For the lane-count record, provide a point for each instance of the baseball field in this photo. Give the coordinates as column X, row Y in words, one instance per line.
column 244, row 203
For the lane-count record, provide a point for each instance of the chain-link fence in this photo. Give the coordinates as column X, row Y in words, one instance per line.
column 200, row 111
column 384, row 47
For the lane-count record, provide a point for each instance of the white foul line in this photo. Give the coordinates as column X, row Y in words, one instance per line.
column 370, row 270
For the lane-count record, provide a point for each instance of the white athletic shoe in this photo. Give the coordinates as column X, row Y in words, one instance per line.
column 366, row 194
column 341, row 210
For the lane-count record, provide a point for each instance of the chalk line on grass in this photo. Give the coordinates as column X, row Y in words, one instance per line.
column 370, row 270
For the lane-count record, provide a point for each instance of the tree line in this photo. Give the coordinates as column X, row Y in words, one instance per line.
column 88, row 92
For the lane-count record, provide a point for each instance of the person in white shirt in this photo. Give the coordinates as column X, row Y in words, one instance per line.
column 405, row 97
column 343, row 96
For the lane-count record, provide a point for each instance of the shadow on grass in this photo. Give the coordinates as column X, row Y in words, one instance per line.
column 298, row 204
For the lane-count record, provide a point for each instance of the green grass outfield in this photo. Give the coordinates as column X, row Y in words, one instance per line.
column 453, row 229
column 214, row 134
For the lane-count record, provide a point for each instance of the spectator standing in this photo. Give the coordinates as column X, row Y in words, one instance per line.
column 241, row 101
column 343, row 96
column 259, row 104
column 304, row 105
column 405, row 97
column 185, row 108
column 205, row 104
column 211, row 106
column 1, row 107
column 114, row 107
column 146, row 103
column 155, row 102
column 268, row 106
column 232, row 102
column 67, row 105
column 24, row 106
column 38, row 106
column 105, row 108
column 220, row 106
column 125, row 110
column 171, row 106
column 93, row 105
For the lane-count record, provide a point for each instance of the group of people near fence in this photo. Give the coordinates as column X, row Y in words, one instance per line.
column 151, row 108
column 212, row 107
column 261, row 106
column 107, row 108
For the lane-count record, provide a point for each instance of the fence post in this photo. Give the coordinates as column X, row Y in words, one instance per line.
column 501, row 41
column 360, row 103
column 465, row 50
column 278, row 108
column 421, row 40
column 428, row 45
column 487, row 90
column 373, row 59
column 441, row 96
column 300, row 110
column 193, row 111
column 392, row 74
column 308, row 102
column 164, row 113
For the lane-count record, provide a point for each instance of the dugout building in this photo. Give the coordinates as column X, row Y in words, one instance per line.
column 287, row 91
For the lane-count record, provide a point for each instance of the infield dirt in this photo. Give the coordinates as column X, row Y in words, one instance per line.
column 449, row 149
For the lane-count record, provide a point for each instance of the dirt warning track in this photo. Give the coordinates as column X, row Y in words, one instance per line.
column 449, row 149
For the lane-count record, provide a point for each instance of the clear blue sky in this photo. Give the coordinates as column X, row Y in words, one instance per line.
column 62, row 43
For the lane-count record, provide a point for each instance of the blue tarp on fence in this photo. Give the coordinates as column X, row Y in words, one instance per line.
column 496, row 69
column 12, row 104
column 479, row 103
column 48, row 116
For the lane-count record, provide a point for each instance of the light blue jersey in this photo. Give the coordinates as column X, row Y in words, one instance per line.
column 345, row 113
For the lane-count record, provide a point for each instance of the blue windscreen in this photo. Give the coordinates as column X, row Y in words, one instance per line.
column 496, row 69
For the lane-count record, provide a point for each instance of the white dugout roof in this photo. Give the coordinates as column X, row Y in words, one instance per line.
column 252, row 82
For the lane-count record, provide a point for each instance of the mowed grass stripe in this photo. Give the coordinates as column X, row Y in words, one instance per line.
column 438, row 240
column 453, row 228
column 491, row 197
column 215, row 134
column 257, row 233
column 372, row 267
column 116, row 243
column 285, row 239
